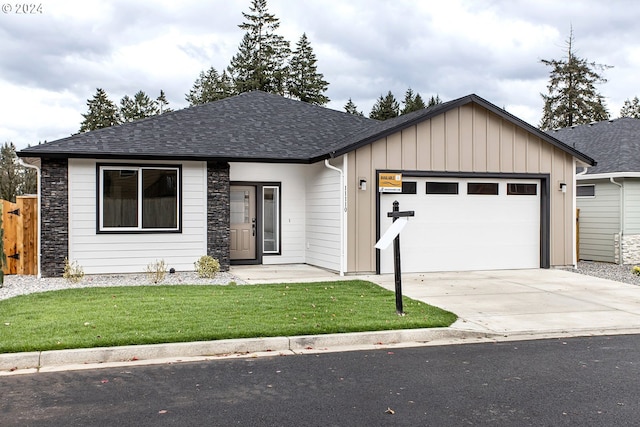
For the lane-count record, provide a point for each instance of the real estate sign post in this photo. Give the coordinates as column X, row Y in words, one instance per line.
column 394, row 233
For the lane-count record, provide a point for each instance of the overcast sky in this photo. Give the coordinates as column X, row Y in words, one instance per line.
column 52, row 61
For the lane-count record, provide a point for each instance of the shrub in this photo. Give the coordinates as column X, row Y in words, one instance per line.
column 156, row 271
column 636, row 270
column 207, row 266
column 73, row 271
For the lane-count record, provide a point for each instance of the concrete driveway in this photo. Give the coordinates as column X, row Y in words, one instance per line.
column 507, row 302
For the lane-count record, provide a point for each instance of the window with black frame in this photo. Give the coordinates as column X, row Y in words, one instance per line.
column 139, row 198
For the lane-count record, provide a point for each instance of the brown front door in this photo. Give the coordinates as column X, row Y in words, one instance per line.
column 243, row 222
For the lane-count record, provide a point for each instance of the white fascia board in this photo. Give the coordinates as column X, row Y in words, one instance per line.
column 608, row 175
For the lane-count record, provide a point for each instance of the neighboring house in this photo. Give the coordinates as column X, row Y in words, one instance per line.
column 608, row 195
column 258, row 178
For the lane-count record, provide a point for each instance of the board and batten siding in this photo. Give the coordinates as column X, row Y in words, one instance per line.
column 323, row 230
column 469, row 138
column 292, row 178
column 599, row 221
column 115, row 253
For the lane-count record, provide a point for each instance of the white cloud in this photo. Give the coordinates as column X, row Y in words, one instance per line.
column 53, row 62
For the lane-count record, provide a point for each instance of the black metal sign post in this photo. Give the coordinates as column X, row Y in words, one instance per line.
column 396, row 255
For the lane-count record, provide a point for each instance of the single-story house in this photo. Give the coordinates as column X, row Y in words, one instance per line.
column 608, row 195
column 259, row 178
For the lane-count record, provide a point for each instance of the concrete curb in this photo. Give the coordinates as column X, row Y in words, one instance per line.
column 74, row 359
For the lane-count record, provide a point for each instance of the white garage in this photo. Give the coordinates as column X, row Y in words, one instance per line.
column 465, row 223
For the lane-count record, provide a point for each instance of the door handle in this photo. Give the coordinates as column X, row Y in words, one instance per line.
column 253, row 227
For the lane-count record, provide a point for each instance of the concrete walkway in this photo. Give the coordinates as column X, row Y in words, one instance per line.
column 491, row 306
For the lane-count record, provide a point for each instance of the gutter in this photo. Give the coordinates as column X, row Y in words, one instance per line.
column 39, row 232
column 608, row 175
column 343, row 209
column 620, row 260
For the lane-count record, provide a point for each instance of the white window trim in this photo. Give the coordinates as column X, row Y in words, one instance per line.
column 139, row 228
column 276, row 233
column 586, row 197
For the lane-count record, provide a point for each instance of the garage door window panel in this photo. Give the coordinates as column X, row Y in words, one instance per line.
column 409, row 187
column 522, row 189
column 436, row 187
column 483, row 188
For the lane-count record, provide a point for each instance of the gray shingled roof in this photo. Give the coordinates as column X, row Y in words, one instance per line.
column 615, row 144
column 254, row 126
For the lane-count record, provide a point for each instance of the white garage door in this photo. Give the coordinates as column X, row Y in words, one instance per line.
column 466, row 224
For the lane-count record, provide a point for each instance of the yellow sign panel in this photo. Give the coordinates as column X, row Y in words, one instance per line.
column 390, row 182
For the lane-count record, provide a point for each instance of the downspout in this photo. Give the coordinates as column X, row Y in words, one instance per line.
column 620, row 260
column 343, row 210
column 39, row 232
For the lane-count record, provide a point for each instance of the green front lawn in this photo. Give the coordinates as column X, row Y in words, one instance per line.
column 103, row 317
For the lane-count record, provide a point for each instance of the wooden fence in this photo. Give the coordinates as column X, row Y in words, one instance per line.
column 20, row 225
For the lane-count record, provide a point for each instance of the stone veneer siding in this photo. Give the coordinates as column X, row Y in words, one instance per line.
column 631, row 249
column 54, row 246
column 218, row 213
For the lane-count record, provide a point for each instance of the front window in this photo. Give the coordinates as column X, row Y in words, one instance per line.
column 139, row 198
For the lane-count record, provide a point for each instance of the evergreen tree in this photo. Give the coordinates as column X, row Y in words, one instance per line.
column 434, row 100
column 631, row 108
column 163, row 103
column 305, row 83
column 29, row 182
column 572, row 98
column 261, row 61
column 10, row 172
column 210, row 86
column 139, row 107
column 412, row 102
column 15, row 179
column 102, row 113
column 351, row 108
column 385, row 108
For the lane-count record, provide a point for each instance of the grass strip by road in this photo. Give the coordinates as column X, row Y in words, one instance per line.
column 113, row 316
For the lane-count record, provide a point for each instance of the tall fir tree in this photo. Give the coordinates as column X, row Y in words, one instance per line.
column 138, row 107
column 572, row 98
column 412, row 102
column 10, row 173
column 210, row 86
column 15, row 179
column 261, row 61
column 102, row 113
column 434, row 100
column 351, row 108
column 631, row 108
column 305, row 83
column 163, row 103
column 385, row 108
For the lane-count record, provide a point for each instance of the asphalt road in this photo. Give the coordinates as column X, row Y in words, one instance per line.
column 577, row 381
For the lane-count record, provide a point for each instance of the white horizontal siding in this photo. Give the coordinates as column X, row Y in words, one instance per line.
column 292, row 214
column 631, row 206
column 323, row 217
column 599, row 222
column 131, row 253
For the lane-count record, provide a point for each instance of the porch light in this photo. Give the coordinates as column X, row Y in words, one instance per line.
column 563, row 187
